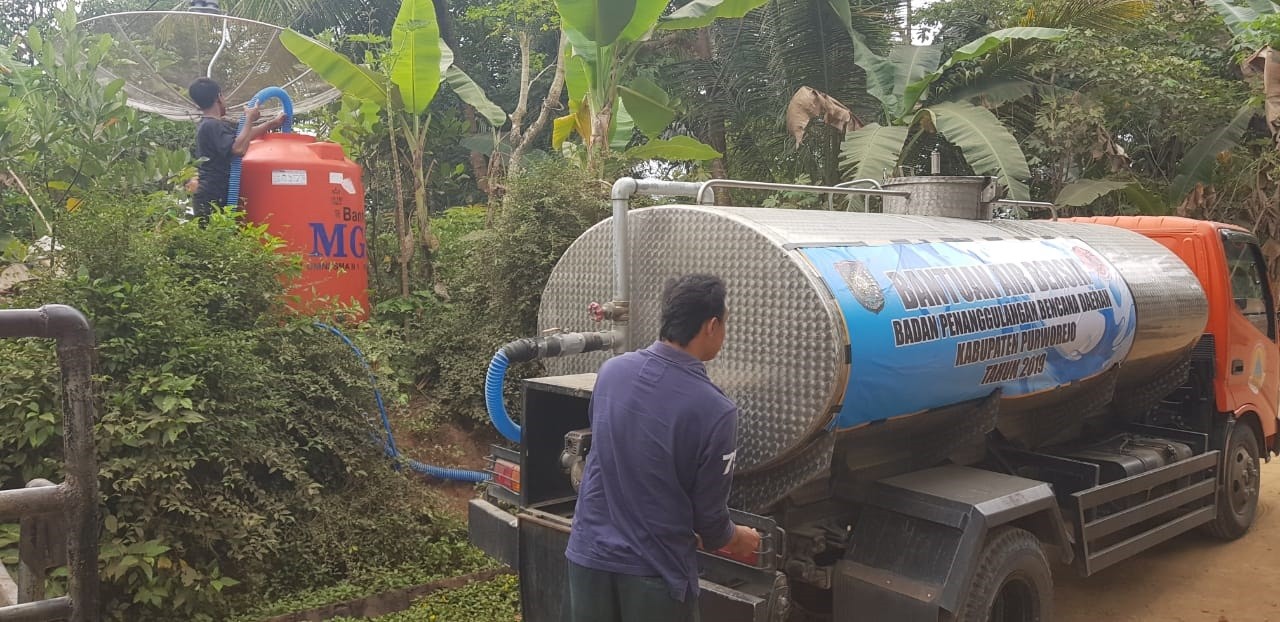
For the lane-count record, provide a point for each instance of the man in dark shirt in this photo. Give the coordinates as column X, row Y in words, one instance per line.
column 216, row 142
column 657, row 479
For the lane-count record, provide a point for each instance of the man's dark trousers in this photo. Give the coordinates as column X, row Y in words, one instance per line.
column 598, row 596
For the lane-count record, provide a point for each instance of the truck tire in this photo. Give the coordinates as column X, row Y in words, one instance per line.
column 1239, row 485
column 1013, row 582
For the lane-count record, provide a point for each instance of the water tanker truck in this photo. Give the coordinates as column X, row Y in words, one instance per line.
column 934, row 403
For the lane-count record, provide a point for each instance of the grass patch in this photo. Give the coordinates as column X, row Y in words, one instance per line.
column 456, row 558
column 495, row 600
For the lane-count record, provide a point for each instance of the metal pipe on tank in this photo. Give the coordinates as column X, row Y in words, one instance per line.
column 708, row 188
column 623, row 190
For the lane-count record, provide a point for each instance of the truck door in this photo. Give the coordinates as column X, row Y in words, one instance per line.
column 1252, row 355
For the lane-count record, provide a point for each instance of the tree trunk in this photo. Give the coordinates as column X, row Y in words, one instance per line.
column 421, row 210
column 444, row 20
column 403, row 235
column 551, row 102
column 600, row 122
column 522, row 104
column 716, row 134
column 479, row 161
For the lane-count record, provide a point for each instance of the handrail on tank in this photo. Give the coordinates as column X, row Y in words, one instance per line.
column 1053, row 209
column 849, row 184
column 76, row 498
column 762, row 185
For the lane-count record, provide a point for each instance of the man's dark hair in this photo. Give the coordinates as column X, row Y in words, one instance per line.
column 687, row 303
column 204, row 92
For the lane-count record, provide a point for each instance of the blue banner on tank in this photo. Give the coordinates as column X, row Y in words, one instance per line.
column 933, row 324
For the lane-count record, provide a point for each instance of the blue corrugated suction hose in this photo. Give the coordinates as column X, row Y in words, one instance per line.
column 493, row 402
column 389, row 444
column 523, row 351
column 233, row 185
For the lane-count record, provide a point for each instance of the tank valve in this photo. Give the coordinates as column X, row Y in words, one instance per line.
column 608, row 311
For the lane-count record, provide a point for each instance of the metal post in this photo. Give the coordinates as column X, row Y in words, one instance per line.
column 41, row 545
column 79, row 411
column 79, row 492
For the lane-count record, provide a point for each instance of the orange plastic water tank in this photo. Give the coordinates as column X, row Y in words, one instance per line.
column 308, row 193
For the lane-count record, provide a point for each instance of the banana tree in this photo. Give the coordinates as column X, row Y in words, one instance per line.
column 603, row 38
column 902, row 81
column 411, row 73
column 1250, row 26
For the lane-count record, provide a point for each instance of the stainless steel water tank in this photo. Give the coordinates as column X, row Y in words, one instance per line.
column 840, row 320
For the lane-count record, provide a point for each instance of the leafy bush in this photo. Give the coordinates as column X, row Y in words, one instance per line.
column 227, row 422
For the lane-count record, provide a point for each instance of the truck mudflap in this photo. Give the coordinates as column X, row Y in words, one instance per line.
column 534, row 542
column 912, row 550
column 492, row 530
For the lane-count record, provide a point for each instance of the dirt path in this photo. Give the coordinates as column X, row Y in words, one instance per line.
column 1192, row 578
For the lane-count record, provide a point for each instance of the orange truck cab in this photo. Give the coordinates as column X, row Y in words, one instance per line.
column 1238, row 356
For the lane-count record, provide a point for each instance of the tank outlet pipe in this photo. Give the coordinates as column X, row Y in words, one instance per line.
column 271, row 92
column 532, row 349
column 623, row 190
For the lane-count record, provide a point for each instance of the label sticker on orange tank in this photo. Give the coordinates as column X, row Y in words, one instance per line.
column 288, row 177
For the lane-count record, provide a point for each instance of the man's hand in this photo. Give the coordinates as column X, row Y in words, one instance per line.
column 251, row 115
column 745, row 542
column 275, row 123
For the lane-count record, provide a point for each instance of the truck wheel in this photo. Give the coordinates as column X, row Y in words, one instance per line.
column 1013, row 582
column 1238, row 488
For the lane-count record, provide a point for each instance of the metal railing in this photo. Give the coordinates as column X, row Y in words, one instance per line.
column 708, row 188
column 43, row 508
column 1053, row 209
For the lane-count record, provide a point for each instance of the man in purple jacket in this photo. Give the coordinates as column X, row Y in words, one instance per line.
column 657, row 478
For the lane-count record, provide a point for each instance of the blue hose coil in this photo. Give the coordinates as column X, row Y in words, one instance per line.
column 389, row 445
column 493, row 401
column 233, row 185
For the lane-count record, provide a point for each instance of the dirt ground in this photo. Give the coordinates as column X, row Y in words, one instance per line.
column 1192, row 578
column 447, row 446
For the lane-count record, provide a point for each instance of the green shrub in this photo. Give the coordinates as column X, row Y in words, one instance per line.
column 234, row 438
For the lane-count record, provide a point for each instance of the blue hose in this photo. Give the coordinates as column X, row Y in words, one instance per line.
column 493, row 400
column 389, row 445
column 233, row 185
